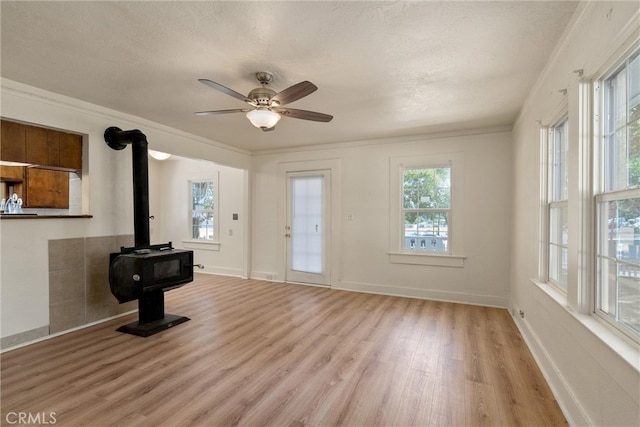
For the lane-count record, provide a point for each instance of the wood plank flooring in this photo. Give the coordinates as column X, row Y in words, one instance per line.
column 268, row 354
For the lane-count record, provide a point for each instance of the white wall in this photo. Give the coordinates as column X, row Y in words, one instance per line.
column 363, row 244
column 107, row 183
column 593, row 372
column 169, row 204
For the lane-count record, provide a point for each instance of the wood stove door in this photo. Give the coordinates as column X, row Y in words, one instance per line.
column 308, row 230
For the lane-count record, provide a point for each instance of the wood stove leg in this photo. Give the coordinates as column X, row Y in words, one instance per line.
column 151, row 307
column 151, row 316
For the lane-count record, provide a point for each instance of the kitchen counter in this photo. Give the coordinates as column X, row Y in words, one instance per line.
column 38, row 216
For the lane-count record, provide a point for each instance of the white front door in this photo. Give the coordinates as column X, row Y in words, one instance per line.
column 307, row 231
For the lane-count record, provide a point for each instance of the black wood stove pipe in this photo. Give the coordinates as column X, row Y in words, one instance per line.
column 118, row 139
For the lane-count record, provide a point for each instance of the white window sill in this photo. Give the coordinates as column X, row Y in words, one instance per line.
column 203, row 245
column 423, row 258
column 606, row 333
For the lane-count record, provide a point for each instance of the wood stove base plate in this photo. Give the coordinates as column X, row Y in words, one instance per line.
column 152, row 328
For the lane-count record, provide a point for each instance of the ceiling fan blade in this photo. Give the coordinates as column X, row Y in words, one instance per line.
column 268, row 129
column 235, row 110
column 303, row 114
column 226, row 90
column 295, row 92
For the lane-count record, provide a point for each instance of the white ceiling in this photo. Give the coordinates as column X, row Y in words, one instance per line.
column 383, row 69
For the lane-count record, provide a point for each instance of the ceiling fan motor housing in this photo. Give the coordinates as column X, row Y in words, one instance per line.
column 261, row 95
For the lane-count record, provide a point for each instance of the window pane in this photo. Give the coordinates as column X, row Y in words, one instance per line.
column 621, row 150
column 620, row 100
column 634, row 89
column 426, row 231
column 615, row 102
column 608, row 296
column 558, row 167
column 558, row 265
column 306, row 224
column 629, row 296
column 620, row 230
column 202, row 195
column 559, row 225
column 427, row 188
column 615, row 161
column 619, row 293
column 202, row 225
column 558, row 238
column 634, row 122
column 634, row 152
column 619, row 272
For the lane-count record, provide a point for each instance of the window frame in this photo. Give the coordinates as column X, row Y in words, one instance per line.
column 454, row 256
column 214, row 212
column 554, row 201
column 419, row 210
column 604, row 192
column 559, row 115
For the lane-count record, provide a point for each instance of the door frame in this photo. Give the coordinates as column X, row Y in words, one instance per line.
column 333, row 165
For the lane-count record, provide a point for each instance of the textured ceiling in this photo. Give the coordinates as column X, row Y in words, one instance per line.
column 383, row 69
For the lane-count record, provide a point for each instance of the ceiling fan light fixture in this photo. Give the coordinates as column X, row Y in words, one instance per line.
column 263, row 119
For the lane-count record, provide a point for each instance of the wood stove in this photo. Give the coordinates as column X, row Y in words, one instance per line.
column 139, row 270
column 144, row 272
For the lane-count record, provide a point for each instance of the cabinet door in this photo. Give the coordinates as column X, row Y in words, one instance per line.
column 12, row 146
column 37, row 146
column 53, row 142
column 11, row 173
column 46, row 189
column 70, row 151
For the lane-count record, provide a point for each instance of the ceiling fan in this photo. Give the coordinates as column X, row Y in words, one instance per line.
column 266, row 105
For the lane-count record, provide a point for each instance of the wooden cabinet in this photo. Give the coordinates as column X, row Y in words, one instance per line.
column 46, row 188
column 53, row 147
column 69, row 151
column 12, row 145
column 40, row 146
column 36, row 146
column 39, row 188
column 11, row 173
column 52, row 155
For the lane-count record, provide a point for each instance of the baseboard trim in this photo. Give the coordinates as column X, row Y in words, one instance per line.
column 15, row 340
column 265, row 275
column 569, row 404
column 66, row 331
column 456, row 297
column 221, row 271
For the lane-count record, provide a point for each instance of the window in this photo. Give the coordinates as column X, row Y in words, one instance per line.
column 426, row 210
column 203, row 210
column 617, row 198
column 426, row 202
column 557, row 207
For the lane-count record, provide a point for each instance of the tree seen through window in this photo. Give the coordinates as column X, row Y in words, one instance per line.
column 426, row 208
column 202, row 210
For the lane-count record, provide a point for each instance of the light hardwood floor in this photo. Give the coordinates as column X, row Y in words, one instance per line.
column 259, row 353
